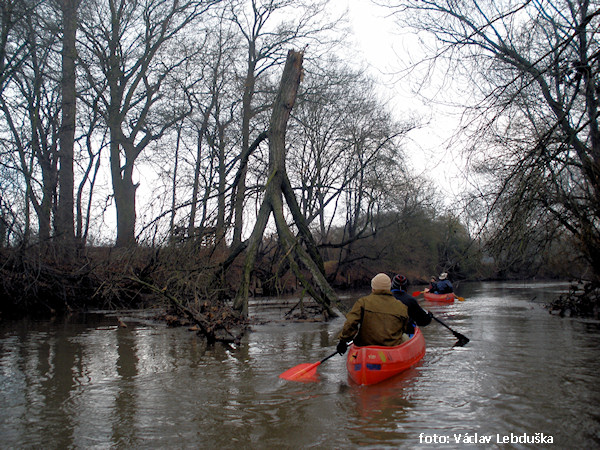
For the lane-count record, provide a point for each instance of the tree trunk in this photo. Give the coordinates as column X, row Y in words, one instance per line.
column 240, row 189
column 174, row 185
column 124, row 192
column 65, row 221
column 198, row 167
column 273, row 201
column 222, row 170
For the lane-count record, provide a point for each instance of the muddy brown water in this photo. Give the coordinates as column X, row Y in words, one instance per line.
column 526, row 378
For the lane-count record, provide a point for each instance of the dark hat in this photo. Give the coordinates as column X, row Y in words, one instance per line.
column 400, row 282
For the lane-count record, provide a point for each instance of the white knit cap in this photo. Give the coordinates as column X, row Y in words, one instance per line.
column 381, row 282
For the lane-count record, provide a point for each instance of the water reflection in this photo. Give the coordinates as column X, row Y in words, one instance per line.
column 386, row 399
column 88, row 383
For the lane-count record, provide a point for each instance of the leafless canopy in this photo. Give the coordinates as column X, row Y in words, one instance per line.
column 533, row 69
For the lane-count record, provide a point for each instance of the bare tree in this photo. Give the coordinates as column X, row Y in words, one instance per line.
column 269, row 27
column 129, row 40
column 30, row 106
column 219, row 60
column 535, row 68
column 317, row 156
column 347, row 155
column 13, row 46
column 278, row 187
column 95, row 136
column 65, row 215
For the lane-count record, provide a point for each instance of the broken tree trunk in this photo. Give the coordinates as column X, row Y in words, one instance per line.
column 278, row 184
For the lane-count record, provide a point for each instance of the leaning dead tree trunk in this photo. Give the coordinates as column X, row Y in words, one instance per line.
column 300, row 251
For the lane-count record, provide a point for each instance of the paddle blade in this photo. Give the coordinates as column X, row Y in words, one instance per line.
column 302, row 372
column 462, row 340
column 460, row 299
column 417, row 293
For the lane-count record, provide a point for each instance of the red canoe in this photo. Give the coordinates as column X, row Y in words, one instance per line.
column 372, row 364
column 448, row 298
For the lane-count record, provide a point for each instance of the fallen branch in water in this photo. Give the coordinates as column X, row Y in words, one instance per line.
column 209, row 328
column 582, row 300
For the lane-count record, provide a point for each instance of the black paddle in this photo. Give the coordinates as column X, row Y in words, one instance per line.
column 462, row 339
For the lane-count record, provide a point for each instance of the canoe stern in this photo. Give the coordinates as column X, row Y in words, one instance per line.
column 373, row 364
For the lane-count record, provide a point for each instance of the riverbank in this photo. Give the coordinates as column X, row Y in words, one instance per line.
column 184, row 281
column 38, row 282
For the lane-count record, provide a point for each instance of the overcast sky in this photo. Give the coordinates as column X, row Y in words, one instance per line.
column 386, row 49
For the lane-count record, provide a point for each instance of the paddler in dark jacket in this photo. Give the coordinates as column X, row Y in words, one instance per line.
column 377, row 319
column 417, row 314
column 444, row 286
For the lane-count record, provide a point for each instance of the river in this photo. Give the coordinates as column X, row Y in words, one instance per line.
column 525, row 378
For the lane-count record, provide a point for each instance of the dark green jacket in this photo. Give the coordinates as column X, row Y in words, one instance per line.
column 377, row 319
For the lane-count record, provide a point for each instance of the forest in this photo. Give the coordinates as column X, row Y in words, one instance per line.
column 199, row 152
